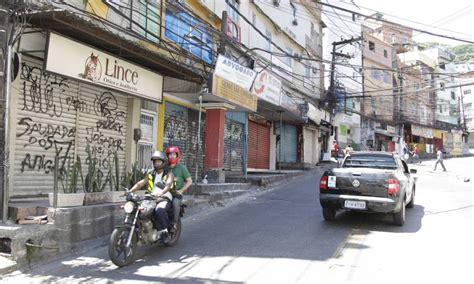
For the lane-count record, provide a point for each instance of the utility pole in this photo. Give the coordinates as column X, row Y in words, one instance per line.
column 4, row 77
column 463, row 117
column 331, row 94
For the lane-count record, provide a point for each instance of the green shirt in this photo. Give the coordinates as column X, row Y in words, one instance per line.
column 181, row 173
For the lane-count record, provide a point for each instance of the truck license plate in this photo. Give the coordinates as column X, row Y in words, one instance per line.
column 354, row 204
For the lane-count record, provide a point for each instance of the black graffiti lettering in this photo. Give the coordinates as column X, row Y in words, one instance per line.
column 176, row 128
column 105, row 104
column 39, row 90
column 38, row 163
column 77, row 105
column 45, row 130
column 111, row 123
column 100, row 139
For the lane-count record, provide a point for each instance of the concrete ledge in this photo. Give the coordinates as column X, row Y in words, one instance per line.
column 219, row 187
column 215, row 197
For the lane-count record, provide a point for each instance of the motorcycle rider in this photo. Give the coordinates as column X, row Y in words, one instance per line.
column 164, row 197
column 182, row 179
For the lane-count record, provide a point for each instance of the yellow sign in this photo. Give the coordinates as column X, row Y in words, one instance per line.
column 233, row 93
column 438, row 133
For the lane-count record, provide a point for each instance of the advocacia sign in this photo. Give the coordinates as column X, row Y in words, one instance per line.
column 234, row 72
column 82, row 62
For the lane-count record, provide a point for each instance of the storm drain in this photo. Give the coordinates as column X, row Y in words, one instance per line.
column 6, row 245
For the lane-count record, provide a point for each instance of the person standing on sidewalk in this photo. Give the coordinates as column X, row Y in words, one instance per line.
column 182, row 179
column 439, row 160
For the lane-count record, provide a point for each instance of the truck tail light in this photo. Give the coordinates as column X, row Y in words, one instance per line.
column 393, row 186
column 323, row 183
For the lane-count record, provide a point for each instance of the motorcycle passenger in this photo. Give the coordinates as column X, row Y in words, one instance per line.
column 164, row 197
column 182, row 179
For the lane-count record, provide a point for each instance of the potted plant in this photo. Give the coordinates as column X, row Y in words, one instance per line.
column 69, row 180
column 130, row 178
column 116, row 189
column 95, row 181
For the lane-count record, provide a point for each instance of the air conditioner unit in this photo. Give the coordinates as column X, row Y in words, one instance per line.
column 276, row 3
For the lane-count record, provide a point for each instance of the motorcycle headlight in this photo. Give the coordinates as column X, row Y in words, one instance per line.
column 128, row 207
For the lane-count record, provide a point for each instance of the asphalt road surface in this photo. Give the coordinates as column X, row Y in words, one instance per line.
column 279, row 236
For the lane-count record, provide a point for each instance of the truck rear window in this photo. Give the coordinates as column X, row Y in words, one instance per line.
column 370, row 161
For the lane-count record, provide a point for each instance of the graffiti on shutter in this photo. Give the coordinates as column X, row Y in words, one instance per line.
column 45, row 127
column 102, row 127
column 181, row 127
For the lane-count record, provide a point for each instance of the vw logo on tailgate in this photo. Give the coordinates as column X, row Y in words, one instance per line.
column 355, row 183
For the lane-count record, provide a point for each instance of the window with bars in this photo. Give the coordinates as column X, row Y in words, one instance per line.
column 146, row 145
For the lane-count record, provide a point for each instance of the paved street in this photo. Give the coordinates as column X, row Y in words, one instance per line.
column 280, row 236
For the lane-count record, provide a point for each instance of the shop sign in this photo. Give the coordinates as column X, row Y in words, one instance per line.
column 438, row 133
column 233, row 93
column 314, row 114
column 290, row 103
column 391, row 129
column 267, row 87
column 234, row 72
column 85, row 63
column 422, row 131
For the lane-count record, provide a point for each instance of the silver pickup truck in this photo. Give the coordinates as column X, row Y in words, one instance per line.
column 369, row 182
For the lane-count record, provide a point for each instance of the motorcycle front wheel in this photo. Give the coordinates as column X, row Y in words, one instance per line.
column 118, row 252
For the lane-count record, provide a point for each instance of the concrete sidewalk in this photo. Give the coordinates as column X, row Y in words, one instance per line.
column 75, row 229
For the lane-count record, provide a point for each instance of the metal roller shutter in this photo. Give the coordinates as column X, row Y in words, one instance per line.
column 310, row 146
column 259, row 146
column 234, row 141
column 194, row 155
column 101, row 125
column 45, row 126
column 181, row 127
column 288, row 143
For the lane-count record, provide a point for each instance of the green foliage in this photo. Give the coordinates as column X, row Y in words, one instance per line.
column 70, row 179
column 94, row 181
column 114, row 170
column 130, row 178
column 463, row 52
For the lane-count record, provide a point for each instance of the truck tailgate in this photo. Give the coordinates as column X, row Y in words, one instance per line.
column 363, row 182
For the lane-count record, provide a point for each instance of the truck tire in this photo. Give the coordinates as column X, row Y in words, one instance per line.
column 329, row 213
column 399, row 217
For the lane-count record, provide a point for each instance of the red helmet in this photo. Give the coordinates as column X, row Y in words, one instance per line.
column 173, row 149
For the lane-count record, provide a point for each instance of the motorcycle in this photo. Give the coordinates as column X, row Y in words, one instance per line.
column 138, row 230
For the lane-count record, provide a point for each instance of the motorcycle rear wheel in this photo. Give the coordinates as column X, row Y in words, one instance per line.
column 118, row 252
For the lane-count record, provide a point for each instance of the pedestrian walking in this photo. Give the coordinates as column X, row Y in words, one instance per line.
column 406, row 152
column 439, row 160
column 416, row 154
column 348, row 150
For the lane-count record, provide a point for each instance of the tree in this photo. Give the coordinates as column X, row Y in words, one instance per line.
column 463, row 52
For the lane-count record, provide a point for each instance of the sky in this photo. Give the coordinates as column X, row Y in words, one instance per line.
column 454, row 17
